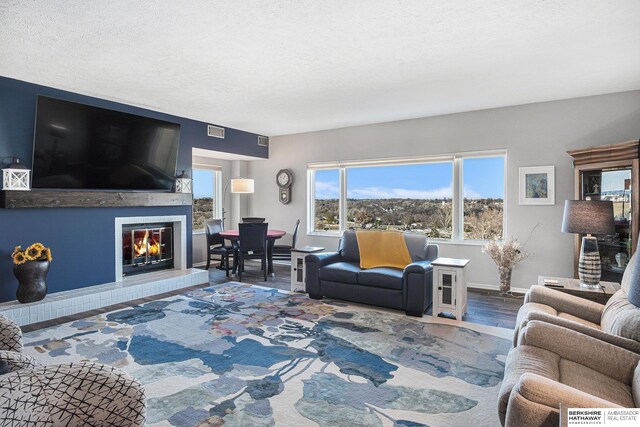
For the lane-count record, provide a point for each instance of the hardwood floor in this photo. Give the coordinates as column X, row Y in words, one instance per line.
column 483, row 307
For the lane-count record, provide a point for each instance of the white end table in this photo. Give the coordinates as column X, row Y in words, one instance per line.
column 298, row 273
column 449, row 286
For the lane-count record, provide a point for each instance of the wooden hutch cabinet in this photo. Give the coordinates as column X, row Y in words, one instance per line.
column 610, row 172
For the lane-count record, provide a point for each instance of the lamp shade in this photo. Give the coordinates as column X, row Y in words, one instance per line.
column 241, row 185
column 588, row 217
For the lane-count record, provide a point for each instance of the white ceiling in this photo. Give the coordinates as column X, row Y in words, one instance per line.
column 279, row 67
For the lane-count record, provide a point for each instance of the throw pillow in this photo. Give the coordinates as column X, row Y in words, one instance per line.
column 633, row 292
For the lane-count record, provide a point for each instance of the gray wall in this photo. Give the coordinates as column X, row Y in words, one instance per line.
column 534, row 135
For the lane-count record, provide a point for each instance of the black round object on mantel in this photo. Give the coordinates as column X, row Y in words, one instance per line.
column 31, row 277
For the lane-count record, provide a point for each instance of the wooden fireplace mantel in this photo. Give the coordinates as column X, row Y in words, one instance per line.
column 89, row 199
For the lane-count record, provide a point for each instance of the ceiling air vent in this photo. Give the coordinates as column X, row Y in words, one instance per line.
column 215, row 131
column 263, row 141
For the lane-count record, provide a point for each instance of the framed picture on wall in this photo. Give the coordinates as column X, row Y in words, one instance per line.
column 537, row 185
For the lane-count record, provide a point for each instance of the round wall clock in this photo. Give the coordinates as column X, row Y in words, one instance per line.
column 284, row 179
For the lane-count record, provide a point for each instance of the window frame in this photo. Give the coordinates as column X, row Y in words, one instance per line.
column 217, row 190
column 457, row 190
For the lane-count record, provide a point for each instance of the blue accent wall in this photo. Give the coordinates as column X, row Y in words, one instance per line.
column 82, row 239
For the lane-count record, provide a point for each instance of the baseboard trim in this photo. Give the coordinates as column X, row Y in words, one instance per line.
column 495, row 287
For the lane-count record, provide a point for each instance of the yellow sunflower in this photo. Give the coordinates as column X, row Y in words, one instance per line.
column 39, row 246
column 33, row 252
column 16, row 250
column 19, row 258
column 46, row 252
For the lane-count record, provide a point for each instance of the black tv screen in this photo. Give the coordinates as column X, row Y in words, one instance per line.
column 82, row 147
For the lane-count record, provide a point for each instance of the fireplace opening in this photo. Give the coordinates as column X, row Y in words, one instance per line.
column 146, row 247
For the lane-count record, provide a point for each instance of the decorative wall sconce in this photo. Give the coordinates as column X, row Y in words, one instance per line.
column 183, row 183
column 15, row 177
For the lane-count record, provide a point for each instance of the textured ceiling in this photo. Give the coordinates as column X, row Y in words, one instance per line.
column 279, row 67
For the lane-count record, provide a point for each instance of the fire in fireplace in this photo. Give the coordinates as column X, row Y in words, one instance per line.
column 146, row 247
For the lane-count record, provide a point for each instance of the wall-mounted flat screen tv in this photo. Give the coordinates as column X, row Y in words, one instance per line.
column 82, row 147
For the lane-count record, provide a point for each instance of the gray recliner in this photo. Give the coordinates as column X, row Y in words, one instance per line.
column 338, row 275
column 554, row 367
column 617, row 322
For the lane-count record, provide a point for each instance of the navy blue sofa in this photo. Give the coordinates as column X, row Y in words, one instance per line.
column 338, row 275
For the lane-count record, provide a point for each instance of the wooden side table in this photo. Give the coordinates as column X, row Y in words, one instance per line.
column 572, row 286
column 298, row 273
column 449, row 286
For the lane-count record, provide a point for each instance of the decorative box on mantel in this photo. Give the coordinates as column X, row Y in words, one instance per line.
column 90, row 199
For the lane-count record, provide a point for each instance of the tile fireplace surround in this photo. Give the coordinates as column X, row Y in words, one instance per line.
column 122, row 289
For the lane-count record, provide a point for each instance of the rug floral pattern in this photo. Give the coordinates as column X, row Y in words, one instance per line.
column 240, row 355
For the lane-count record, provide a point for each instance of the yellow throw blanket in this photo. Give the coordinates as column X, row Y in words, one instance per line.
column 382, row 249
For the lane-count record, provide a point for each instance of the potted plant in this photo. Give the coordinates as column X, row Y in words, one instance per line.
column 30, row 266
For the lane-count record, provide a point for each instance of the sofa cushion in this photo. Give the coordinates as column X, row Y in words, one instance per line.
column 381, row 277
column 345, row 272
column 620, row 317
column 417, row 245
column 625, row 283
column 632, row 285
column 349, row 247
column 592, row 382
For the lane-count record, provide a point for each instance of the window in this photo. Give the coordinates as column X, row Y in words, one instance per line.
column 326, row 201
column 483, row 197
column 456, row 197
column 414, row 197
column 206, row 196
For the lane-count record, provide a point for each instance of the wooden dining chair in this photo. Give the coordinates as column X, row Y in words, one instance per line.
column 253, row 219
column 283, row 252
column 216, row 246
column 252, row 245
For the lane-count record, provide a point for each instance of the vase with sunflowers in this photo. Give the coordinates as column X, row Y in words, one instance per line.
column 30, row 266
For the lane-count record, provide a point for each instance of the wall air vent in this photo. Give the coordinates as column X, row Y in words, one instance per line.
column 263, row 141
column 215, row 131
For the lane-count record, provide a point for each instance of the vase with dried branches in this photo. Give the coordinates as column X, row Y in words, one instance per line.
column 506, row 254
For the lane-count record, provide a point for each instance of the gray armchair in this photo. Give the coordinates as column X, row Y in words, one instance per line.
column 617, row 322
column 11, row 357
column 76, row 394
column 554, row 366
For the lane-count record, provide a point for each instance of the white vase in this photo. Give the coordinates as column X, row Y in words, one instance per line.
column 621, row 259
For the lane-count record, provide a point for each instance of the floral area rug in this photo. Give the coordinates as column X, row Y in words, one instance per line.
column 242, row 355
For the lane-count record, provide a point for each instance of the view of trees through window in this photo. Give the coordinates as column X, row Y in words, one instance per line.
column 414, row 197
column 326, row 203
column 203, row 197
column 483, row 188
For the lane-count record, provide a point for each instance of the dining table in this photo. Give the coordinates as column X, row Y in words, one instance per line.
column 272, row 235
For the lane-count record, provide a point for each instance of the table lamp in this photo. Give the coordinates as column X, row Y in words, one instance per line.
column 588, row 217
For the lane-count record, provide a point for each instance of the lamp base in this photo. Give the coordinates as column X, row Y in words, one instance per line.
column 589, row 267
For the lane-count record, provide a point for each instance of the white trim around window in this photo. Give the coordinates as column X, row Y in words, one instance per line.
column 217, row 189
column 457, row 189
